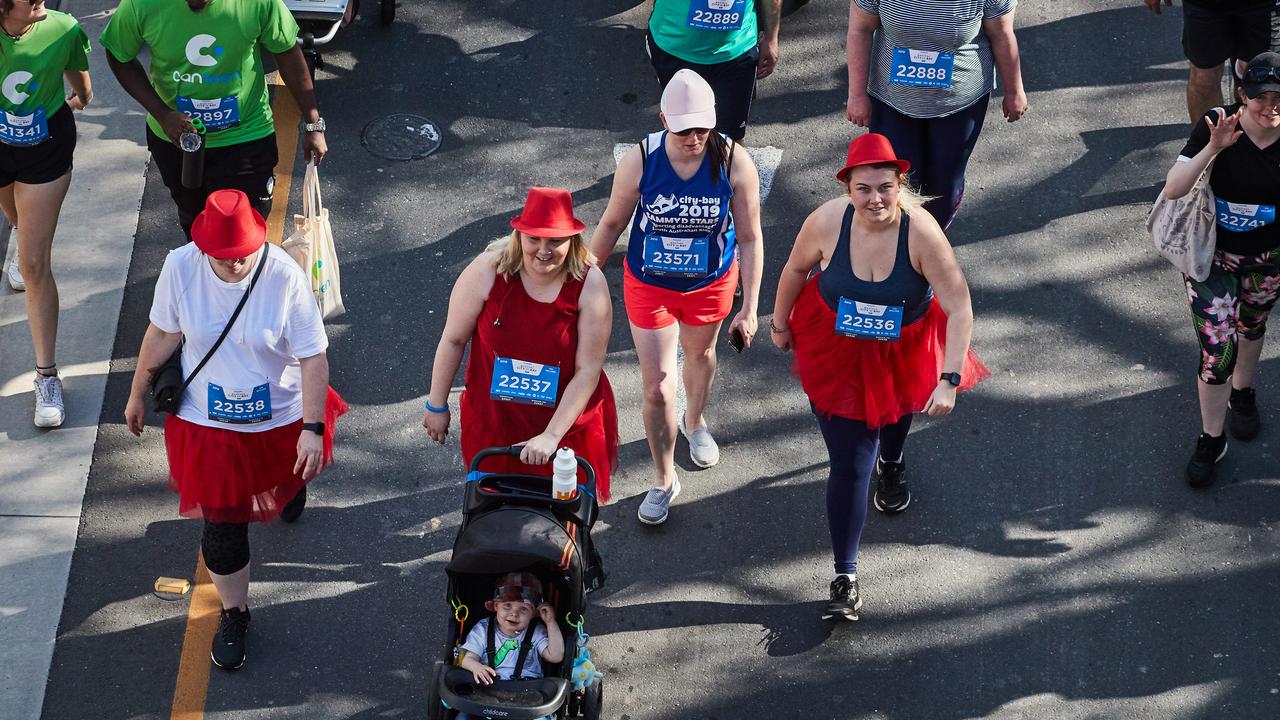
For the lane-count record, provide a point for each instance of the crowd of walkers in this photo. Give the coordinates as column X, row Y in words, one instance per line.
column 871, row 303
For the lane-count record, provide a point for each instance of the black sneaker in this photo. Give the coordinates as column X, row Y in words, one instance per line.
column 293, row 510
column 892, row 495
column 1243, row 420
column 845, row 599
column 1209, row 450
column 228, row 642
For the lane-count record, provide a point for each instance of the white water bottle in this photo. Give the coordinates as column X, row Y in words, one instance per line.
column 564, row 475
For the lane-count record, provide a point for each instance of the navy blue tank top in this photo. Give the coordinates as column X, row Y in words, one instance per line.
column 904, row 286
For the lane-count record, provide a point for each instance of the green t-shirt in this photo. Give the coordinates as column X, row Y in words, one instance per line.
column 206, row 63
column 704, row 31
column 32, row 66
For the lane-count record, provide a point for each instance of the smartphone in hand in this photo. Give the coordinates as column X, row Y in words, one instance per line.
column 736, row 341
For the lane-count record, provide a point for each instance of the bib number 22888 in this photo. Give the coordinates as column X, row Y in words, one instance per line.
column 866, row 320
column 524, row 382
column 922, row 68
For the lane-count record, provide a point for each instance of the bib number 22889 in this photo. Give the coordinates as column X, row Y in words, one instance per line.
column 524, row 382
column 716, row 14
column 866, row 320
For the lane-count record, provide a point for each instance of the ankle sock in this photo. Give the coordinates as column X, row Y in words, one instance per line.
column 50, row 371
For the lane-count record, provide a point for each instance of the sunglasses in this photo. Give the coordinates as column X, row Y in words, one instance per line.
column 1262, row 74
column 687, row 131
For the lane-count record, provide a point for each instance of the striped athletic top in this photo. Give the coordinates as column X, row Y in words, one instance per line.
column 937, row 26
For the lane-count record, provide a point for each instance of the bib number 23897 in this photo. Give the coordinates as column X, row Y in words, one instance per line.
column 524, row 382
column 922, row 68
column 716, row 14
column 866, row 320
column 240, row 406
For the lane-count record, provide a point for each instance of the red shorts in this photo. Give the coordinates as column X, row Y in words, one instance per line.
column 650, row 307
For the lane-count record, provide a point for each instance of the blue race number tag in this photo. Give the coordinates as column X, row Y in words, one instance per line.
column 1241, row 217
column 24, row 129
column 716, row 14
column 524, row 382
column 865, row 320
column 240, row 407
column 216, row 114
column 676, row 257
column 922, row 68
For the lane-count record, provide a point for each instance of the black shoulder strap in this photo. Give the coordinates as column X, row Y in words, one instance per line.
column 525, row 644
column 262, row 262
column 728, row 173
column 489, row 648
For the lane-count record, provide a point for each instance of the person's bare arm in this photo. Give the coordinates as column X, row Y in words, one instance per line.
column 293, row 71
column 862, row 27
column 465, row 303
column 806, row 252
column 622, row 203
column 81, row 89
column 133, row 78
column 1222, row 134
column 1004, row 47
column 750, row 238
column 315, row 390
column 768, row 16
column 937, row 262
column 1154, row 5
column 157, row 346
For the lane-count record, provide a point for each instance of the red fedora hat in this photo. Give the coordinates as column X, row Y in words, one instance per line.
column 228, row 227
column 548, row 212
column 870, row 149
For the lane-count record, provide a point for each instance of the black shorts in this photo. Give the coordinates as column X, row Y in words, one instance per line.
column 45, row 162
column 1211, row 36
column 248, row 166
column 733, row 82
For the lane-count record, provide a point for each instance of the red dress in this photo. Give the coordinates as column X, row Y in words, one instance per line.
column 515, row 326
column 870, row 380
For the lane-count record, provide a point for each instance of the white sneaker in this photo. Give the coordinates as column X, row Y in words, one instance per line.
column 702, row 447
column 50, row 412
column 14, row 274
column 657, row 504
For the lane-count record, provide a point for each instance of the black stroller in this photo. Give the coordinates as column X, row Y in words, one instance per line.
column 511, row 523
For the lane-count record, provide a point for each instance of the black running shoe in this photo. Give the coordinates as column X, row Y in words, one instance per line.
column 293, row 510
column 892, row 494
column 1209, row 450
column 228, row 642
column 1243, row 420
column 845, row 599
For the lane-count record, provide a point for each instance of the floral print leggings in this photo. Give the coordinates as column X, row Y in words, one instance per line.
column 1233, row 302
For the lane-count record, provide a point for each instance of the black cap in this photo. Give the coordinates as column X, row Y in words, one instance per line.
column 1262, row 75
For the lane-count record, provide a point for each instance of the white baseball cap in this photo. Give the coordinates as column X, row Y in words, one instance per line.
column 688, row 102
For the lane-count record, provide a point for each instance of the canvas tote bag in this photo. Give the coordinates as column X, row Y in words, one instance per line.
column 311, row 244
column 1185, row 230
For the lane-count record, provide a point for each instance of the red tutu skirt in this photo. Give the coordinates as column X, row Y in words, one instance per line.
column 228, row 476
column 874, row 381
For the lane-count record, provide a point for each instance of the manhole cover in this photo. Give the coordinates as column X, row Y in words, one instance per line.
column 401, row 137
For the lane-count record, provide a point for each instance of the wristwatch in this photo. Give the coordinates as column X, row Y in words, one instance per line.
column 317, row 126
column 317, row 427
column 953, row 378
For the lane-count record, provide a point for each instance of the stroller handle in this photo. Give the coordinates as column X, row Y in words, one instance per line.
column 515, row 450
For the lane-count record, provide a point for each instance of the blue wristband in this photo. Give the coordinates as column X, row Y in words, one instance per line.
column 434, row 409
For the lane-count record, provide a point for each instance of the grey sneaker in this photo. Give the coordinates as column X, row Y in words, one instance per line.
column 703, row 449
column 657, row 503
column 50, row 412
column 14, row 274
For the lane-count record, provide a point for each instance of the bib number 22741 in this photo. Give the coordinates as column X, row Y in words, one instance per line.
column 524, row 382
column 1242, row 217
column 869, row 321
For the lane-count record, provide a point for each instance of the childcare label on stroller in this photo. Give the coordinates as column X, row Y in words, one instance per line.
column 676, row 257
column 30, row 129
column 240, row 406
column 1243, row 217
column 216, row 114
column 524, row 382
column 869, row 321
column 922, row 68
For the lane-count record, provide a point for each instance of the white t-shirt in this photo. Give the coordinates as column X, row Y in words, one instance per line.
column 477, row 642
column 279, row 324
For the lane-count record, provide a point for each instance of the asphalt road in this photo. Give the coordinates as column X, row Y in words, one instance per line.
column 1053, row 564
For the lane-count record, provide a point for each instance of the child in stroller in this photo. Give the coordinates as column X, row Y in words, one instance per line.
column 509, row 644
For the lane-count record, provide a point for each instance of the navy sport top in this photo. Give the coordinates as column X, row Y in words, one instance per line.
column 904, row 286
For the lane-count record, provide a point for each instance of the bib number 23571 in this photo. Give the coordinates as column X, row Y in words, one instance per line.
column 866, row 320
column 524, row 382
column 676, row 257
column 716, row 14
column 240, row 406
column 922, row 68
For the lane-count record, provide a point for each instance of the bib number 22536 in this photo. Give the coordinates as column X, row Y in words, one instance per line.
column 524, row 382
column 239, row 406
column 867, row 320
column 922, row 68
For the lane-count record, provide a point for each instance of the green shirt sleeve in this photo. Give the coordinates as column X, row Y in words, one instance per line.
column 78, row 53
column 122, row 36
column 279, row 29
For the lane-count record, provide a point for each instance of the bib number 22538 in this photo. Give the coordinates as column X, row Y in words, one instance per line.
column 922, row 68
column 240, row 406
column 524, row 382
column 867, row 320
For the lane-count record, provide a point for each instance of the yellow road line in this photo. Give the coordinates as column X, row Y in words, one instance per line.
column 202, row 617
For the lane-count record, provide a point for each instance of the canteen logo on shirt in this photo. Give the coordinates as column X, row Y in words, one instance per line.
column 18, row 87
column 203, row 51
column 196, row 47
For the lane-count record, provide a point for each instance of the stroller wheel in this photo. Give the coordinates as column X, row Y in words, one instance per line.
column 592, row 706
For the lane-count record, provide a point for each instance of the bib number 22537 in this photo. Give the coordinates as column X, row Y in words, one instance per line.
column 524, row 382
column 922, row 68
column 240, row 406
column 867, row 320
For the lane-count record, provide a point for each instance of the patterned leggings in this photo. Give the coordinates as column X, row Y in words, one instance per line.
column 1233, row 302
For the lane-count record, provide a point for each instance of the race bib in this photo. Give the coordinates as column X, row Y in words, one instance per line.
column 524, row 382
column 676, row 257
column 1241, row 217
column 922, row 68
column 24, row 129
column 217, row 114
column 716, row 14
column 869, row 321
column 240, row 406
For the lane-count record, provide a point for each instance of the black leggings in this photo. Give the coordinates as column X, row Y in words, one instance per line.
column 852, row 448
column 225, row 547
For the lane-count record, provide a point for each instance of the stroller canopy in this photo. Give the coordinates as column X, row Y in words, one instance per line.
column 508, row 539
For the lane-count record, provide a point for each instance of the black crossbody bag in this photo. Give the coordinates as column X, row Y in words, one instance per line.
column 167, row 385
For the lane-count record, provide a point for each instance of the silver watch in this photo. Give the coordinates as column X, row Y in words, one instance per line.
column 317, row 126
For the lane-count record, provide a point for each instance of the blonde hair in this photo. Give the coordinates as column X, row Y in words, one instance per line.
column 909, row 198
column 507, row 256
